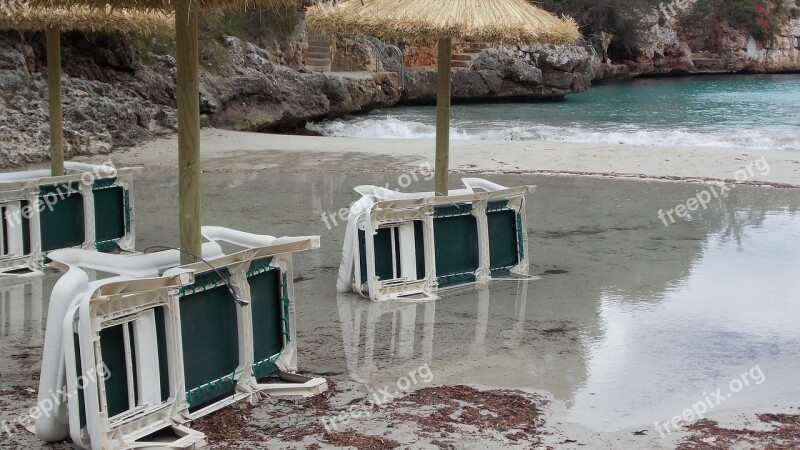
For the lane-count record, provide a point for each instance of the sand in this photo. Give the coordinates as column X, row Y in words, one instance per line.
column 223, row 149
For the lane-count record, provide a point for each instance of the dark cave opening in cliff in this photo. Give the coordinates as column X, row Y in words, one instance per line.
column 619, row 53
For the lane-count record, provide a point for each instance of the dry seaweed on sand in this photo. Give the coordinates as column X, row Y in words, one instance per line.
column 450, row 408
column 227, row 424
column 359, row 441
column 706, row 434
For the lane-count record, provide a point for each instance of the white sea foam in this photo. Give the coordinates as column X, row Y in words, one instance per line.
column 773, row 138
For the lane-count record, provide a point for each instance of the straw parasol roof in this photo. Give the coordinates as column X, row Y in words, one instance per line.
column 160, row 5
column 86, row 19
column 498, row 21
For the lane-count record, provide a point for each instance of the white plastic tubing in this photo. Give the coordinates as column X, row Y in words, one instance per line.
column 45, row 173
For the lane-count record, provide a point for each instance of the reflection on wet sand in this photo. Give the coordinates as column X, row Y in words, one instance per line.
column 22, row 318
column 400, row 319
column 629, row 322
column 21, row 307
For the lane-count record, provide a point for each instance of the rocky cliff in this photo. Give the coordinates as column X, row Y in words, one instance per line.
column 497, row 74
column 669, row 44
column 115, row 93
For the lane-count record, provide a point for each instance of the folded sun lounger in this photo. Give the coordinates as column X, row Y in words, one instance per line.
column 410, row 245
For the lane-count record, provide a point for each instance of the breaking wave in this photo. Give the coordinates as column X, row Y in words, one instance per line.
column 772, row 138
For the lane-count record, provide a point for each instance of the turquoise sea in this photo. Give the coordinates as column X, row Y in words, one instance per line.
column 755, row 111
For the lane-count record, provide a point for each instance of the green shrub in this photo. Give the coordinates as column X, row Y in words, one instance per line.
column 251, row 24
column 740, row 11
column 758, row 32
column 795, row 12
column 761, row 18
column 147, row 45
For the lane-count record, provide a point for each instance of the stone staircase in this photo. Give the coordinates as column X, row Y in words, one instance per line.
column 710, row 61
column 465, row 57
column 318, row 55
column 729, row 62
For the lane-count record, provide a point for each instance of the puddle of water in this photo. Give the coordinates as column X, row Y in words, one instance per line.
column 23, row 315
column 631, row 322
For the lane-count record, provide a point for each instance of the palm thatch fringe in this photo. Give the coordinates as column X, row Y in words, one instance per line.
column 86, row 19
column 496, row 21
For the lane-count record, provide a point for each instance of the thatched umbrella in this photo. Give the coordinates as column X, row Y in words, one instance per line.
column 499, row 21
column 54, row 20
column 188, row 97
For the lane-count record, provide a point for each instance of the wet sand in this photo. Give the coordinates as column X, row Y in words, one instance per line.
column 630, row 323
column 222, row 149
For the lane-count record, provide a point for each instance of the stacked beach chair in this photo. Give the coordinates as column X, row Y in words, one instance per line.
column 410, row 245
column 131, row 360
column 143, row 353
column 89, row 207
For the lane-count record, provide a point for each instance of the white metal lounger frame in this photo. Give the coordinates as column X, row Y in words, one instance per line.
column 134, row 302
column 132, row 298
column 18, row 188
column 401, row 213
column 247, row 385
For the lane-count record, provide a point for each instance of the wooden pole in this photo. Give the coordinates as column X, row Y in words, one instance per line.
column 443, row 115
column 188, row 94
column 53, row 37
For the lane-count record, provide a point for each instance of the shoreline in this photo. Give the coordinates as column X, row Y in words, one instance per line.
column 224, row 150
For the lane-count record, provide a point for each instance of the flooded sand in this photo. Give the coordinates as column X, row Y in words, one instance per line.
column 630, row 322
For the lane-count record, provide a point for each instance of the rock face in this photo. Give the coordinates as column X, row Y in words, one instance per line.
column 355, row 53
column 493, row 74
column 98, row 113
column 113, row 98
column 662, row 51
column 257, row 95
column 530, row 73
column 782, row 56
column 667, row 48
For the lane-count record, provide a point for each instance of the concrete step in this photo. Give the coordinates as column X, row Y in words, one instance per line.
column 318, row 68
column 318, row 61
column 461, row 57
column 710, row 64
column 316, row 53
column 324, row 40
column 705, row 55
column 707, row 61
